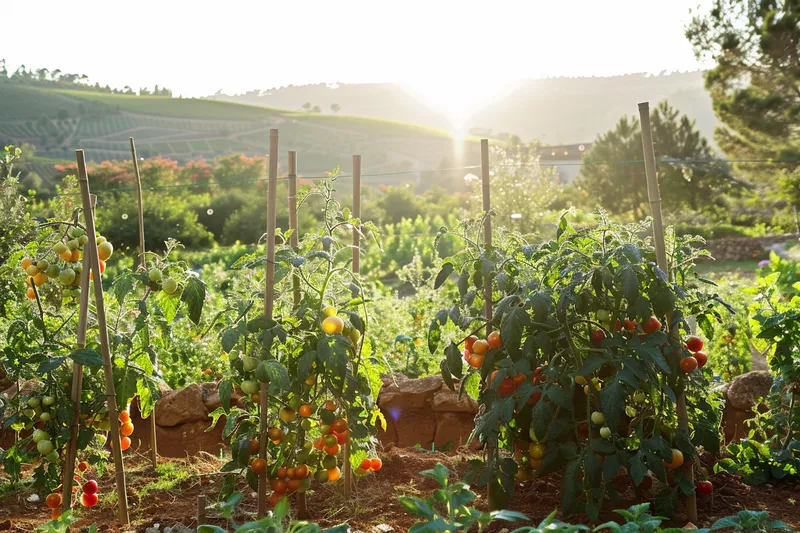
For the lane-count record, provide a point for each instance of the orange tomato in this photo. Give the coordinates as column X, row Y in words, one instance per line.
column 126, row 429
column 366, row 464
column 480, row 347
column 30, row 294
column 332, row 450
column 83, row 466
column 259, row 466
column 330, row 405
column 301, row 472
column 124, row 416
column 55, row 513
column 75, row 255
column 275, row 498
column 494, row 340
column 125, row 443
column 334, row 474
column 254, row 446
column 319, row 444
column 294, row 484
column 339, row 425
column 53, row 500
column 283, row 472
column 376, row 464
column 278, row 485
column 305, row 410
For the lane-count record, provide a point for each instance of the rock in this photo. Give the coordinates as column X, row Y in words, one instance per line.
column 181, row 406
column 180, row 440
column 178, row 528
column 5, row 525
column 745, row 390
column 390, row 435
column 452, row 428
column 445, row 400
column 211, row 397
column 416, row 427
column 689, row 525
column 408, row 394
column 382, row 528
column 733, row 423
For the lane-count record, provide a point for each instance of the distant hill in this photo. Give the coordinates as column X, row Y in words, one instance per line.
column 57, row 121
column 554, row 110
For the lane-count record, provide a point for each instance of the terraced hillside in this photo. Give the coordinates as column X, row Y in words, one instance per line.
column 59, row 121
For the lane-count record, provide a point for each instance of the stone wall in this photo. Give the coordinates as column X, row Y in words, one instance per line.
column 741, row 395
column 746, row 248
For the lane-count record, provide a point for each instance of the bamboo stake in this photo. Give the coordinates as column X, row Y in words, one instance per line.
column 294, row 241
column 201, row 510
column 654, row 196
column 111, row 399
column 487, row 284
column 77, row 382
column 348, row 467
column 272, row 192
column 143, row 267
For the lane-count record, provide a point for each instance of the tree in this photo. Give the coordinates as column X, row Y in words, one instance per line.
column 613, row 176
column 316, row 109
column 755, row 85
column 307, row 106
column 335, row 108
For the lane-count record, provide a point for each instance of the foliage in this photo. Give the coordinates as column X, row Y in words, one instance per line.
column 63, row 523
column 611, row 175
column 750, row 522
column 448, row 508
column 548, row 301
column 277, row 522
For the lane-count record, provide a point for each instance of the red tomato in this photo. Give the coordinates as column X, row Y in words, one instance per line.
column 598, row 336
column 494, row 340
column 630, row 325
column 469, row 342
column 652, row 325
column 507, row 387
column 466, row 353
column 702, row 359
column 90, row 487
column 646, row 483
column 618, row 325
column 689, row 364
column 694, row 344
column 534, row 399
column 88, row 500
column 705, row 488
column 480, row 347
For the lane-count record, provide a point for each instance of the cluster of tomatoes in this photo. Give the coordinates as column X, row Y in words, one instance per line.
column 125, row 430
column 475, row 349
column 70, row 251
column 650, row 326
column 335, row 325
column 168, row 285
column 698, row 359
column 88, row 490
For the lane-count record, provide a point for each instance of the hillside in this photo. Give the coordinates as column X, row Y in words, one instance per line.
column 554, row 111
column 58, row 121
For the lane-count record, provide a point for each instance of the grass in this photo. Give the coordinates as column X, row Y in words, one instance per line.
column 714, row 269
column 170, row 478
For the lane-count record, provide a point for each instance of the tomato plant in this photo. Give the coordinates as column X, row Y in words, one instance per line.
column 312, row 353
column 559, row 308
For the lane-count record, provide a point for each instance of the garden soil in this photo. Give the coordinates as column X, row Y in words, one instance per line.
column 159, row 499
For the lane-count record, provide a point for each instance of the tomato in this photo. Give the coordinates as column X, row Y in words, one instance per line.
column 705, row 488
column 305, row 410
column 329, row 311
column 30, row 293
column 294, row 484
column 330, row 406
column 519, row 378
column 534, row 399
column 677, row 459
column 88, row 500
column 124, row 416
column 598, row 418
column 301, row 472
column 55, row 514
column 583, row 429
column 617, row 325
column 44, row 447
column 536, row 450
column 630, row 325
column 53, row 500
column 646, row 483
column 126, row 429
column 493, row 340
column 603, row 315
column 291, row 473
column 341, row 438
column 278, row 485
column 476, row 360
column 275, row 498
column 694, row 344
column 467, row 355
column 605, row 432
column 702, row 359
column 652, row 325
column 598, row 336
column 275, row 434
column 319, row 444
column 259, row 466
column 249, row 386
column 125, row 443
column 580, row 380
column 90, row 487
column 507, row 387
column 287, row 414
column 688, row 364
column 480, row 347
column 254, row 446
column 376, row 464
column 469, row 342
column 83, row 466
column 334, row 474
column 332, row 450
column 333, row 325
column 339, row 425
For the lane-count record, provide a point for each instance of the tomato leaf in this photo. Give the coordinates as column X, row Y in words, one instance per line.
column 229, row 339
column 51, row 363
column 637, row 468
column 569, row 487
column 225, row 391
column 511, row 328
column 630, row 285
column 454, row 360
column 612, row 401
column 444, row 273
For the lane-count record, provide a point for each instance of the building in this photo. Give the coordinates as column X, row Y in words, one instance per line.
column 566, row 158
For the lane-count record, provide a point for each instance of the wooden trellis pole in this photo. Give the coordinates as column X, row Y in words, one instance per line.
column 143, row 268
column 348, row 468
column 654, row 196
column 272, row 192
column 77, row 382
column 105, row 348
column 487, row 283
column 294, row 241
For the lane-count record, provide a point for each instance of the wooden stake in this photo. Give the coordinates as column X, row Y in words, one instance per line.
column 487, row 284
column 654, row 196
column 143, row 268
column 201, row 510
column 348, row 467
column 272, row 193
column 77, row 382
column 111, row 400
column 294, row 241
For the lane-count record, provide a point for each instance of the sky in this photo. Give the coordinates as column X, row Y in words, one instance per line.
column 454, row 53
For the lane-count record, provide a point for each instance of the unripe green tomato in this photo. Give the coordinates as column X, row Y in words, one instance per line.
column 355, row 336
column 74, row 232
column 53, row 271
column 30, row 413
column 605, row 432
column 290, row 438
column 295, row 403
column 322, row 475
column 47, row 401
column 72, row 244
column 170, row 286
column 249, row 364
column 83, row 239
column 104, row 425
column 45, row 417
column 630, row 411
column 306, row 425
column 34, row 402
column 100, row 239
column 60, row 248
column 52, row 456
column 603, row 315
column 638, row 396
column 328, row 462
column 40, row 435
column 249, row 387
column 598, row 418
column 154, row 274
column 44, row 446
column 44, row 264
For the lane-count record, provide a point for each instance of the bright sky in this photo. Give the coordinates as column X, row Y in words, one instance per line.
column 455, row 53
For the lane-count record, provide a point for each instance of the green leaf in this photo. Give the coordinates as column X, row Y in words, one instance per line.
column 454, row 360
column 87, row 357
column 512, row 327
column 444, row 273
column 50, row 364
column 630, row 286
column 194, row 294
column 229, row 339
column 123, row 285
column 225, row 392
column 570, row 487
column 305, row 364
column 612, row 402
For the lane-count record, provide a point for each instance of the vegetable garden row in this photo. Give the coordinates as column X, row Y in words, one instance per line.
column 584, row 348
